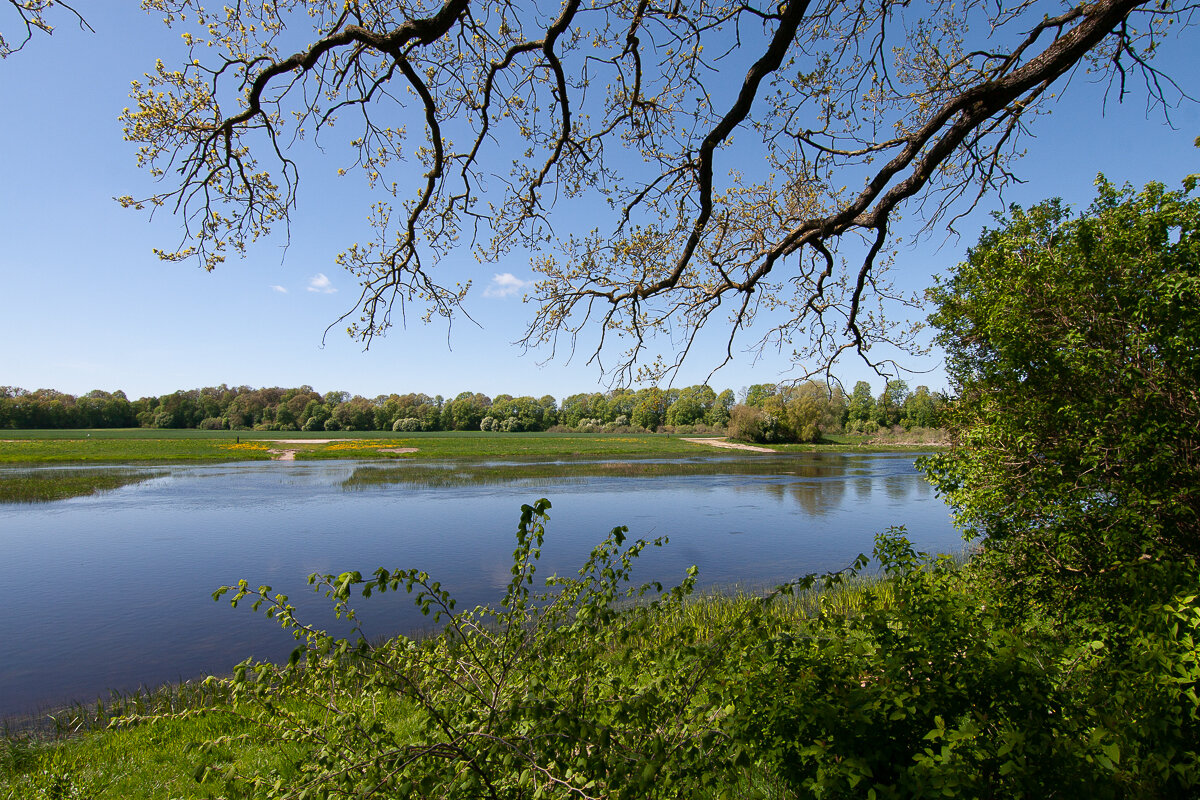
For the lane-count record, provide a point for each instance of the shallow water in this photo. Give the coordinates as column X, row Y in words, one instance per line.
column 114, row 591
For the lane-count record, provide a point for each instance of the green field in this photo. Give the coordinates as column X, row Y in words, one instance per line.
column 557, row 454
column 150, row 445
column 139, row 445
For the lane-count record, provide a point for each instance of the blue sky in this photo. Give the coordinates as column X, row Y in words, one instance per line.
column 84, row 304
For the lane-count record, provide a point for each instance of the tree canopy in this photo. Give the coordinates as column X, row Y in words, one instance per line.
column 732, row 160
column 1072, row 344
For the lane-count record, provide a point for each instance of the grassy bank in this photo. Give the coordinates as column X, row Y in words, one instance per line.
column 47, row 485
column 75, row 752
column 162, row 446
column 557, row 455
column 146, row 445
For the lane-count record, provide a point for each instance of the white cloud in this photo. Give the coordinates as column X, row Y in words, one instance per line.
column 276, row 287
column 320, row 283
column 504, row 285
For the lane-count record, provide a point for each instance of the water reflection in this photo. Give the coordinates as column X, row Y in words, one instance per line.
column 862, row 489
column 128, row 574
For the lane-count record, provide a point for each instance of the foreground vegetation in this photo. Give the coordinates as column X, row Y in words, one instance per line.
column 926, row 684
column 204, row 740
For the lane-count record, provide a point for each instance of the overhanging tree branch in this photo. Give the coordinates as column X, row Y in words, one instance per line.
column 708, row 188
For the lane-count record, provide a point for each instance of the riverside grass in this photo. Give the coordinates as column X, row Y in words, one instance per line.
column 76, row 753
column 165, row 446
column 557, row 456
column 48, row 485
column 152, row 445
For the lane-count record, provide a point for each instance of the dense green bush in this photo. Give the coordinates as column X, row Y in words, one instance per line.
column 1074, row 345
column 937, row 692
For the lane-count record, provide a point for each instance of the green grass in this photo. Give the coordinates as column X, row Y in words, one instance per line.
column 79, row 756
column 151, row 445
column 93, row 753
column 142, row 445
column 97, row 449
column 44, row 486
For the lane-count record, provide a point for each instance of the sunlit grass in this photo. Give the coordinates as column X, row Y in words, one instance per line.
column 91, row 752
column 43, row 486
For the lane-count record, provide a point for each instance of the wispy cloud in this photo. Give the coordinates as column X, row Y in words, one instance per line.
column 320, row 283
column 504, row 284
column 277, row 288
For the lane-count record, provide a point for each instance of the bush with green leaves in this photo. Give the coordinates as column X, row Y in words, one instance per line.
column 1074, row 347
column 564, row 693
column 934, row 691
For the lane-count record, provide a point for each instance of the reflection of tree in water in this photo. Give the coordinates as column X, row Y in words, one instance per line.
column 819, row 497
column 819, row 468
column 900, row 487
column 819, row 483
column 773, row 489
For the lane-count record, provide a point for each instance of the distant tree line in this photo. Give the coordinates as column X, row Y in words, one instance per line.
column 766, row 413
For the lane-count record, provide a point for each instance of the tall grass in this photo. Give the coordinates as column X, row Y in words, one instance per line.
column 43, row 486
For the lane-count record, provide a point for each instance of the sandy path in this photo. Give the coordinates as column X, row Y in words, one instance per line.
column 731, row 445
column 289, row 454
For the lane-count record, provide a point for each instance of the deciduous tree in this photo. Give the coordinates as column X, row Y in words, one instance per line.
column 1073, row 347
column 500, row 125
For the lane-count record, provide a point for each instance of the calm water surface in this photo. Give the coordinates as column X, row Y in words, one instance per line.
column 114, row 591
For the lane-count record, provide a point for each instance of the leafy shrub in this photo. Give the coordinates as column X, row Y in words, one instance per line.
column 332, row 424
column 489, row 424
column 556, row 694
column 862, row 426
column 1077, row 433
column 936, row 693
column 407, row 425
column 213, row 424
column 747, row 423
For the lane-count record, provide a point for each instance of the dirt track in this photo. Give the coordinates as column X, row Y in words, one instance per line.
column 728, row 445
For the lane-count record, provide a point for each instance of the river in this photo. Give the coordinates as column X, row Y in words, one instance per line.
column 113, row 591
